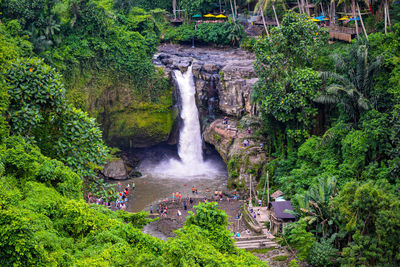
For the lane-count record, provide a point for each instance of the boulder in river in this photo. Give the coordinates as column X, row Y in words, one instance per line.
column 116, row 170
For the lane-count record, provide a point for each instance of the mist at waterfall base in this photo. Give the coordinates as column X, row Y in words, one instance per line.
column 190, row 163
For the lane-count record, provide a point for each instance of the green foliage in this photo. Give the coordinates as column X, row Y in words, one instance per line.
column 194, row 7
column 36, row 91
column 287, row 83
column 342, row 152
column 25, row 162
column 322, row 253
column 297, row 236
column 39, row 111
column 387, row 85
column 227, row 33
column 205, row 240
column 338, row 156
column 370, row 214
column 213, row 223
column 351, row 84
column 293, row 263
column 314, row 205
column 80, row 143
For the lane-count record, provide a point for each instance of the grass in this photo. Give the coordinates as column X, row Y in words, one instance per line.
column 280, row 258
column 261, row 250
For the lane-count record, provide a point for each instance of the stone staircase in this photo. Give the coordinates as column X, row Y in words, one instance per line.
column 255, row 242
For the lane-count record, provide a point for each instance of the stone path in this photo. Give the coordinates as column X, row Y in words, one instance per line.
column 255, row 242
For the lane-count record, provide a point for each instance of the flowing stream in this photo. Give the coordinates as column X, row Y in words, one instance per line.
column 179, row 174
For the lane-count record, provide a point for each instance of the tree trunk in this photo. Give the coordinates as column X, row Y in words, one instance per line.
column 234, row 1
column 333, row 12
column 298, row 4
column 265, row 24
column 362, row 22
column 276, row 17
column 307, row 8
column 174, row 8
column 353, row 7
column 303, row 10
column 220, row 7
column 233, row 12
column 385, row 16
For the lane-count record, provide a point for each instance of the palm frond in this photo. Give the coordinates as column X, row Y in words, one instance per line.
column 362, row 103
column 327, row 75
column 326, row 99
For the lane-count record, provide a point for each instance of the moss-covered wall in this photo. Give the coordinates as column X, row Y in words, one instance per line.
column 129, row 118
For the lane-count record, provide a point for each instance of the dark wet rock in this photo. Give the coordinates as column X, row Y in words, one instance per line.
column 135, row 174
column 183, row 66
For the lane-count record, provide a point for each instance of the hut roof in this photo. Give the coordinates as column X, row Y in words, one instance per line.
column 279, row 208
column 277, row 194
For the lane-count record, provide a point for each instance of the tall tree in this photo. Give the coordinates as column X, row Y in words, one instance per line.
column 264, row 4
column 353, row 81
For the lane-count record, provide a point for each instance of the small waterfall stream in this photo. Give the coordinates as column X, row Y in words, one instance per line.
column 190, row 143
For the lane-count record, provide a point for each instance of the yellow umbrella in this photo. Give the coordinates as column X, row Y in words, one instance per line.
column 344, row 18
column 315, row 20
column 209, row 16
column 221, row 16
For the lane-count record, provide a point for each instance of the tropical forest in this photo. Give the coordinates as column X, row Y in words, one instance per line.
column 199, row 133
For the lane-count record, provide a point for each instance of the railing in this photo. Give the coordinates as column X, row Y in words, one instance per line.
column 342, row 29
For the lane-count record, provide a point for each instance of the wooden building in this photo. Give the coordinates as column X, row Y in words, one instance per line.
column 277, row 217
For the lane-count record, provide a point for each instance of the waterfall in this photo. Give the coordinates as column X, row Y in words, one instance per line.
column 190, row 163
column 190, row 143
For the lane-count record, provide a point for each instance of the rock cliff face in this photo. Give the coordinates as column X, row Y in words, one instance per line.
column 242, row 161
column 223, row 79
column 127, row 121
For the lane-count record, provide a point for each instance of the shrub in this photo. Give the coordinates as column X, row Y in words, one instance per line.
column 322, row 253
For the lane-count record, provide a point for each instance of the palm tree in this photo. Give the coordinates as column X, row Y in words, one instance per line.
column 51, row 28
column 386, row 4
column 174, row 8
column 233, row 12
column 353, row 81
column 315, row 204
column 262, row 5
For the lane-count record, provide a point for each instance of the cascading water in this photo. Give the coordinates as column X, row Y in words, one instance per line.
column 191, row 163
column 190, row 143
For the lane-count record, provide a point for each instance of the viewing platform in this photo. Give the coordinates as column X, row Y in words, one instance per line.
column 342, row 33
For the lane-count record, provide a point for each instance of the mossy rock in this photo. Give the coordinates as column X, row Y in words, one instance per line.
column 140, row 128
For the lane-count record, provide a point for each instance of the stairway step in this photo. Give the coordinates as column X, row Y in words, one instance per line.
column 257, row 246
column 257, row 237
column 255, row 241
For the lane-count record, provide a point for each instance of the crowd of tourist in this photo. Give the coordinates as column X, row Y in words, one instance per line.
column 116, row 199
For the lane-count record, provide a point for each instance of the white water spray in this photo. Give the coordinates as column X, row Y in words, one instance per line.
column 191, row 163
column 190, row 143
